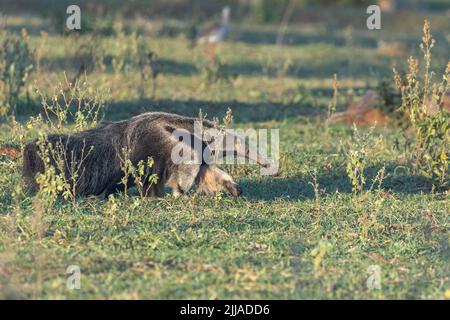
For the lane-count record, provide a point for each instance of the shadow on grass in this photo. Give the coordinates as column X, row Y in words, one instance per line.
column 292, row 38
column 242, row 111
column 298, row 68
column 73, row 64
column 298, row 187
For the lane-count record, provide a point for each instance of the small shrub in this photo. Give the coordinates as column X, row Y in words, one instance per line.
column 390, row 100
column 16, row 63
column 333, row 103
column 359, row 151
column 37, row 55
column 92, row 52
column 431, row 129
column 213, row 72
column 51, row 182
column 78, row 102
column 141, row 173
column 149, row 68
column 319, row 254
column 120, row 50
column 62, row 168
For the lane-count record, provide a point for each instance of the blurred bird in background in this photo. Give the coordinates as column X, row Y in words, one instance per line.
column 211, row 36
column 218, row 32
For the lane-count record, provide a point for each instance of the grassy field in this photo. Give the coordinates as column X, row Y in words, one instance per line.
column 304, row 234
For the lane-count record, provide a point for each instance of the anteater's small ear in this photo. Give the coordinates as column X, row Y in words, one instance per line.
column 169, row 129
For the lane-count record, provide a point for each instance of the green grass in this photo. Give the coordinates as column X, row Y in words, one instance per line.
column 259, row 245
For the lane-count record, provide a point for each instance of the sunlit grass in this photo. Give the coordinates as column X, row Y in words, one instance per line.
column 259, row 245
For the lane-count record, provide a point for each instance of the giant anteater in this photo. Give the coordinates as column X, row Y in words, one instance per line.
column 145, row 135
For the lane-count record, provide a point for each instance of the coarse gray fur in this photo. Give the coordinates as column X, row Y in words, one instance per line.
column 145, row 135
